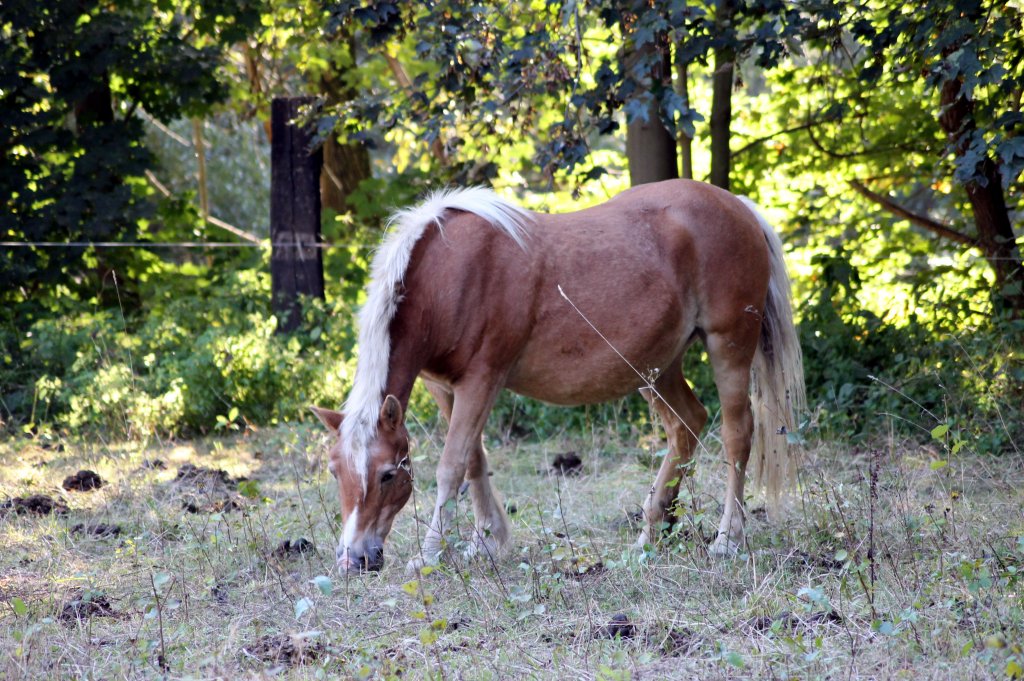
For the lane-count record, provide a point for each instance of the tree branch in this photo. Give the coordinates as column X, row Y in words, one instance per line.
column 398, row 71
column 753, row 143
column 241, row 233
column 924, row 221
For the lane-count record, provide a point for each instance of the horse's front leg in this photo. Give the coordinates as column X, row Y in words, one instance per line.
column 463, row 458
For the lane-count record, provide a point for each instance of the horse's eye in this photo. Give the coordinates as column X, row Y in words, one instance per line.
column 388, row 476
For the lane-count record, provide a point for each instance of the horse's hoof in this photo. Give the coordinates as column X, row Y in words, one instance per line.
column 415, row 566
column 723, row 547
column 486, row 549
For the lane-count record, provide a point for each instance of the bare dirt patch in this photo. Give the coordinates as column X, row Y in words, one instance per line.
column 791, row 621
column 207, row 490
column 289, row 650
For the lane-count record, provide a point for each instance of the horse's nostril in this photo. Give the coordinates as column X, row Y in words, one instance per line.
column 375, row 559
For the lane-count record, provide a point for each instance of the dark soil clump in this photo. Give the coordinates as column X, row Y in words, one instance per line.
column 677, row 642
column 286, row 650
column 292, row 548
column 568, row 463
column 618, row 626
column 223, row 504
column 207, row 490
column 585, row 569
column 86, row 605
column 39, row 504
column 83, row 481
column 201, row 477
column 97, row 530
column 790, row 621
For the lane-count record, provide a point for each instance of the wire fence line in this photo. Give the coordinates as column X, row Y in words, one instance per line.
column 178, row 244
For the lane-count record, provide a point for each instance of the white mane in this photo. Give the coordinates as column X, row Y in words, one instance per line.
column 386, row 274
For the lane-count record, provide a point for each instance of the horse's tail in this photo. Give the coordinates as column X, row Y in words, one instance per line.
column 777, row 379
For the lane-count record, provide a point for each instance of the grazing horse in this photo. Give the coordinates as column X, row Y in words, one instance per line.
column 474, row 294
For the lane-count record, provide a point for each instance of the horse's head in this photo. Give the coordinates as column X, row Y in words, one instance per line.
column 369, row 510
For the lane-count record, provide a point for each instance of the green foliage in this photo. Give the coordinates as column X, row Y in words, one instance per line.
column 201, row 354
column 863, row 370
column 560, row 74
column 72, row 76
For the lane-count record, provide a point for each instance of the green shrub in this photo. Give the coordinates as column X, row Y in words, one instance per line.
column 866, row 374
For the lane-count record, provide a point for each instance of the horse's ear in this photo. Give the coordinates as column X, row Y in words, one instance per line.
column 391, row 413
column 330, row 418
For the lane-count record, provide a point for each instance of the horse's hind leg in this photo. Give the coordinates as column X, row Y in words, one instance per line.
column 731, row 356
column 465, row 453
column 683, row 417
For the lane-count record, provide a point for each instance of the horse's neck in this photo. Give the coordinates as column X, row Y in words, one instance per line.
column 404, row 365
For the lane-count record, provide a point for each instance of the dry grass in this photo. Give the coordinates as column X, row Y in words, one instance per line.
column 887, row 567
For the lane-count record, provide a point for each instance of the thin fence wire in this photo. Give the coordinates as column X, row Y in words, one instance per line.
column 175, row 244
column 227, row 244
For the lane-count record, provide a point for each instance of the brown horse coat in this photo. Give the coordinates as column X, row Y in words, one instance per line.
column 589, row 307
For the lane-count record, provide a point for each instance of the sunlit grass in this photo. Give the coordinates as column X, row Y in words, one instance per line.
column 892, row 564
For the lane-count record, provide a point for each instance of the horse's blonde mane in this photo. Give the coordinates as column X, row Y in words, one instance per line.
column 390, row 263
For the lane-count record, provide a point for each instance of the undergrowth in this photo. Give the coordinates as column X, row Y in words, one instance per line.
column 187, row 349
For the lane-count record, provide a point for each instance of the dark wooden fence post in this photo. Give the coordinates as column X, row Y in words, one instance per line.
column 296, row 262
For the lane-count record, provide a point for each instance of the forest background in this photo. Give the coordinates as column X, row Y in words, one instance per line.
column 884, row 140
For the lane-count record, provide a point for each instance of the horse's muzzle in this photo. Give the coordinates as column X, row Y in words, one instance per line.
column 372, row 560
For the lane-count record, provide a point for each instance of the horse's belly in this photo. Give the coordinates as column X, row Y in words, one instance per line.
column 579, row 367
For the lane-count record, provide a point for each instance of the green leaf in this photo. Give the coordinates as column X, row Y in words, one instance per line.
column 936, row 465
column 427, row 636
column 734, row 659
column 842, row 555
column 939, row 431
column 301, row 606
column 249, row 489
column 20, row 609
column 884, row 627
column 160, row 580
column 324, row 584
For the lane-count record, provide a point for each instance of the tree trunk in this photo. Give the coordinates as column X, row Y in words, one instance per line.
column 991, row 217
column 296, row 262
column 650, row 149
column 685, row 142
column 721, row 96
column 344, row 165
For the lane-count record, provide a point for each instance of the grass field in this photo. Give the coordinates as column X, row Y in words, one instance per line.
column 890, row 564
